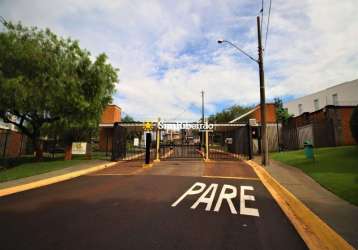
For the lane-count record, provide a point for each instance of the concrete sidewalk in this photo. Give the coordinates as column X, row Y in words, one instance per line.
column 82, row 167
column 337, row 213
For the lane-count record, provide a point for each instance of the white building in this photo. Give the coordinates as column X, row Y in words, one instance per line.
column 344, row 94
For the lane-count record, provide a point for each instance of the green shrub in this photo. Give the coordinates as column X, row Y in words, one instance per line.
column 354, row 123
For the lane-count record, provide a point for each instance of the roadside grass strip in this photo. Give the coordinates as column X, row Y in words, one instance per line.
column 52, row 180
column 335, row 168
column 315, row 232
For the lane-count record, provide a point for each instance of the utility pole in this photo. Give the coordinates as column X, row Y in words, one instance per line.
column 264, row 151
column 202, row 106
column 202, row 142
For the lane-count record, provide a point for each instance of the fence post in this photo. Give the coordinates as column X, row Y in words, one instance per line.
column 249, row 138
column 206, row 145
column 5, row 143
column 22, row 138
column 106, row 143
column 278, row 137
column 157, row 142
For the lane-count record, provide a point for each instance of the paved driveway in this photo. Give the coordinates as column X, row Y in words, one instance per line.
column 174, row 205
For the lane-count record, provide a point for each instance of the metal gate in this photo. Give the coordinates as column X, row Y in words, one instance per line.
column 220, row 142
column 129, row 142
column 183, row 144
column 180, row 151
column 230, row 142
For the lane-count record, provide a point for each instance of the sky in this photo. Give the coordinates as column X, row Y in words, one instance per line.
column 167, row 51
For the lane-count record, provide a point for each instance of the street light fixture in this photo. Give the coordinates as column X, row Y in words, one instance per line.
column 264, row 152
column 239, row 49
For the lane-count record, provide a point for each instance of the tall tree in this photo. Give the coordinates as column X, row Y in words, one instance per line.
column 282, row 114
column 45, row 79
column 229, row 114
column 127, row 118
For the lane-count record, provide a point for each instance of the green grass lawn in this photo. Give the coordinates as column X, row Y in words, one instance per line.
column 334, row 168
column 27, row 166
column 34, row 168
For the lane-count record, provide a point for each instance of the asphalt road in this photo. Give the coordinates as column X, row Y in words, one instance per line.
column 127, row 207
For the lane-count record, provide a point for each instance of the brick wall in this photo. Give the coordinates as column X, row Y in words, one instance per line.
column 105, row 136
column 347, row 138
column 12, row 143
column 111, row 114
column 339, row 116
column 270, row 113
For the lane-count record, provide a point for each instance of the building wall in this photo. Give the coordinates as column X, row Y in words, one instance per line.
column 105, row 139
column 12, row 143
column 111, row 114
column 346, row 93
column 270, row 114
column 330, row 126
column 347, row 137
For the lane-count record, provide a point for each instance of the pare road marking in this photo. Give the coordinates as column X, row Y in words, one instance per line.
column 228, row 193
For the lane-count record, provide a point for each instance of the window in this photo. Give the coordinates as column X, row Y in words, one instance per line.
column 316, row 104
column 335, row 99
column 300, row 111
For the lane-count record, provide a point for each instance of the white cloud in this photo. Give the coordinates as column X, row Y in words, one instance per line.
column 167, row 51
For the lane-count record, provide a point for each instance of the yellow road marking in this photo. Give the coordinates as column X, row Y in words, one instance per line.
column 315, row 232
column 119, row 174
column 112, row 174
column 231, row 177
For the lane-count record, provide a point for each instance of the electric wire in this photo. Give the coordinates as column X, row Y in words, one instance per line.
column 268, row 25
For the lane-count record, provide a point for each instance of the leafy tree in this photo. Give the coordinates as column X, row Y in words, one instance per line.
column 282, row 114
column 354, row 123
column 127, row 118
column 229, row 114
column 46, row 79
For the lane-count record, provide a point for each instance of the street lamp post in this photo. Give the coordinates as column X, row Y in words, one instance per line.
column 259, row 61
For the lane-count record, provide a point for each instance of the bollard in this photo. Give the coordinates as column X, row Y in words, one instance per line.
column 148, row 141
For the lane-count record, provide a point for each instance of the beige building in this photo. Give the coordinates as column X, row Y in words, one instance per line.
column 344, row 94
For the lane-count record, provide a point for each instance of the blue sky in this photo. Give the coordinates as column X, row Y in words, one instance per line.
column 167, row 51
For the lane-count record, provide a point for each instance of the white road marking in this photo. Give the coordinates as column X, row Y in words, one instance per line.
column 228, row 197
column 208, row 200
column 243, row 197
column 228, row 193
column 191, row 191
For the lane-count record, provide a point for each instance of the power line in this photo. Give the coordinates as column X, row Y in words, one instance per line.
column 268, row 25
column 262, row 12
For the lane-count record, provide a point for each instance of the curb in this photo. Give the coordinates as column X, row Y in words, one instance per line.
column 315, row 232
column 52, row 180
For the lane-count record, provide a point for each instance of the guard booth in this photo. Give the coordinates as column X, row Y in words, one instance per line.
column 181, row 141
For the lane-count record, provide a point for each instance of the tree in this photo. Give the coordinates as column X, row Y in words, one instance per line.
column 282, row 114
column 354, row 123
column 127, row 118
column 46, row 79
column 229, row 114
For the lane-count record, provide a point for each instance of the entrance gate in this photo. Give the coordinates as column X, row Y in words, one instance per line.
column 182, row 141
column 129, row 142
